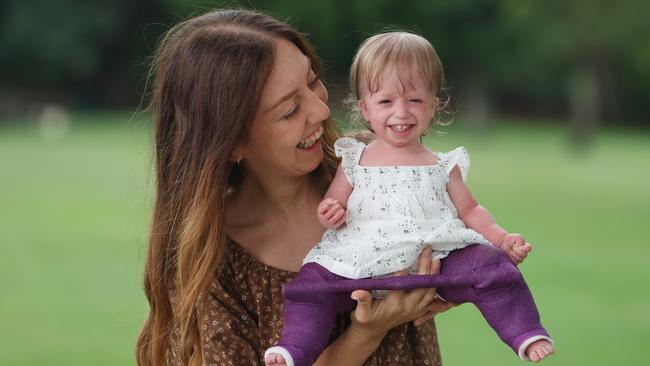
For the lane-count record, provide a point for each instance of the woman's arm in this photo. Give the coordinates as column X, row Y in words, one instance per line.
column 479, row 219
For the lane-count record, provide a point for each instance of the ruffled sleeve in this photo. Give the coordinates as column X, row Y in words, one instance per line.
column 457, row 157
column 349, row 150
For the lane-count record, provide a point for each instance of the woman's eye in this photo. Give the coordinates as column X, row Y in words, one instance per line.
column 291, row 112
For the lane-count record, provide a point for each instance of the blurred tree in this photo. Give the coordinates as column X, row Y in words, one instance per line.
column 582, row 51
column 587, row 59
column 92, row 50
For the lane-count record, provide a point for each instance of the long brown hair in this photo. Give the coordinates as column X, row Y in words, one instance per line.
column 208, row 74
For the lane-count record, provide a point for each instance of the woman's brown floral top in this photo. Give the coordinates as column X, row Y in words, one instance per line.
column 243, row 318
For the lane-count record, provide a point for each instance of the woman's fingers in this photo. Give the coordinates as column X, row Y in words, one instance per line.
column 422, row 297
column 424, row 318
column 435, row 267
column 424, row 261
column 435, row 307
column 363, row 312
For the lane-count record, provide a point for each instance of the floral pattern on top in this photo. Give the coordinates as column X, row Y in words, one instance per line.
column 393, row 213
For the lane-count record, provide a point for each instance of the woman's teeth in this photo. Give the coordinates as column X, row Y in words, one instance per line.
column 310, row 140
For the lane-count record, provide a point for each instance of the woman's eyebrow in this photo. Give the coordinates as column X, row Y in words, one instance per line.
column 281, row 100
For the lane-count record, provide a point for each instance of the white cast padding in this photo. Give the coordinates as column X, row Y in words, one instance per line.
column 282, row 351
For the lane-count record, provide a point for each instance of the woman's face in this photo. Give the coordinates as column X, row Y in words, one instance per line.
column 285, row 135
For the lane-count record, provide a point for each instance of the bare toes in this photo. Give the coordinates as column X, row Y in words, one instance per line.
column 534, row 356
column 274, row 359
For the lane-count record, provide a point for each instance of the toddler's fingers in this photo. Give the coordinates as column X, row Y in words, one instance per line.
column 341, row 221
column 332, row 211
column 515, row 258
column 336, row 217
column 331, row 201
column 522, row 251
column 519, row 240
column 321, row 209
column 324, row 206
column 521, row 254
column 508, row 243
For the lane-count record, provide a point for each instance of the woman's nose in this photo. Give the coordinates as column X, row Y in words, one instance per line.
column 319, row 111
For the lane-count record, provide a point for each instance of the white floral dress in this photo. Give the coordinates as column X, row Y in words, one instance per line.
column 392, row 214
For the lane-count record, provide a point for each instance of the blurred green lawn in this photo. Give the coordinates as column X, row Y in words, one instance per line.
column 74, row 214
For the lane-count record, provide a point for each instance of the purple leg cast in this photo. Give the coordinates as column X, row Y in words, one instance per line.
column 309, row 316
column 480, row 274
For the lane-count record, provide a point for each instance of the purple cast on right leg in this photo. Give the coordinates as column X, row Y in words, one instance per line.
column 309, row 316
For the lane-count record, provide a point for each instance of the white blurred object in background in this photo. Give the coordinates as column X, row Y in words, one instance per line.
column 54, row 121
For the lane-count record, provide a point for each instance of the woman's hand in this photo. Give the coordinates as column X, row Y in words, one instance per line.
column 376, row 318
column 437, row 305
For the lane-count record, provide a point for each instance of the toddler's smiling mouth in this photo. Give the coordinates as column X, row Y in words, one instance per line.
column 401, row 127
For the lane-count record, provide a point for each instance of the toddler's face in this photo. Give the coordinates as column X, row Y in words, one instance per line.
column 401, row 109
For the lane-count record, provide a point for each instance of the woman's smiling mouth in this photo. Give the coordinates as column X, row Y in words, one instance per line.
column 310, row 140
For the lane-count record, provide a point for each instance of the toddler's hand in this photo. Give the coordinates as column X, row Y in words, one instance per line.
column 516, row 247
column 331, row 213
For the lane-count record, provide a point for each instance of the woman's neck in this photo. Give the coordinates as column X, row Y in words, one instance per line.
column 275, row 219
column 275, row 195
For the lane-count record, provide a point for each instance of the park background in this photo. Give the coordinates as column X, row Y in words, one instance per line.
column 552, row 104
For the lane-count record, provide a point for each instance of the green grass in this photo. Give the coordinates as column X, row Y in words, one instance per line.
column 74, row 214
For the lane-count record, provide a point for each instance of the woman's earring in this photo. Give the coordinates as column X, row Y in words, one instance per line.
column 237, row 159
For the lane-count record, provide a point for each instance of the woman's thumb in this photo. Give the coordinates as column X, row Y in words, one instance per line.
column 364, row 302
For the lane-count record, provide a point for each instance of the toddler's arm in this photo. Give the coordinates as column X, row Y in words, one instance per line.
column 478, row 218
column 332, row 209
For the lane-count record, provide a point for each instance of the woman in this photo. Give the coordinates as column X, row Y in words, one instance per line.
column 244, row 154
